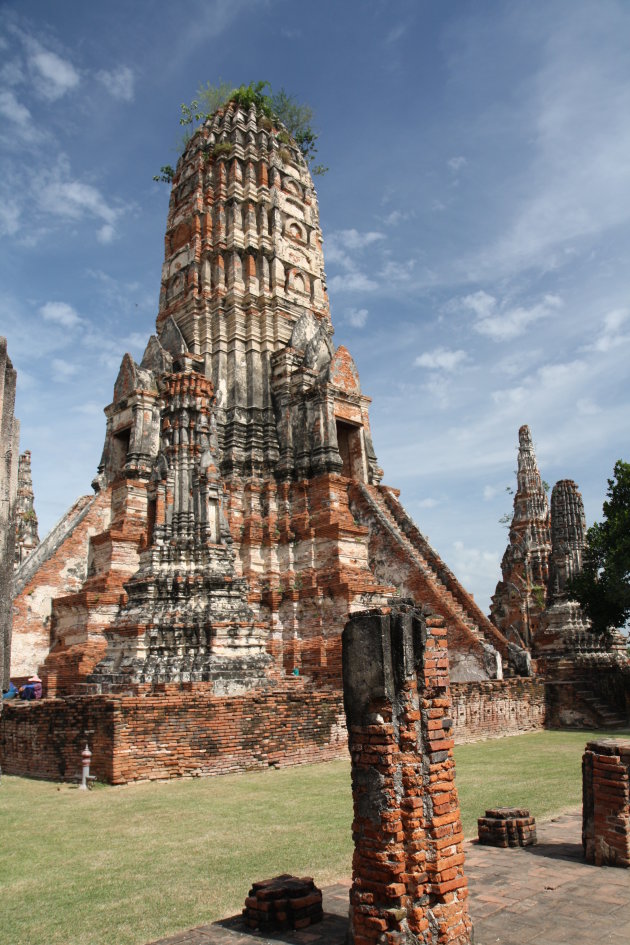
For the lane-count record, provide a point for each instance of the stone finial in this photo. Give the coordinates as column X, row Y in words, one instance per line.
column 27, row 537
column 525, row 438
column 520, row 595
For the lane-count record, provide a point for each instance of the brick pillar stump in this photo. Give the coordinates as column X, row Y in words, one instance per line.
column 606, row 802
column 408, row 882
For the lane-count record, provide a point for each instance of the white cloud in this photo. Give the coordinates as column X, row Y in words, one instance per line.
column 357, row 317
column 342, row 248
column 474, row 566
column 61, row 313
column 441, row 359
column 118, row 82
column 502, row 321
column 14, row 110
column 56, row 76
column 106, row 234
column 612, row 336
column 62, row 370
column 397, row 272
column 456, row 163
column 352, row 282
column 489, row 492
column 395, row 217
column 10, row 217
column 428, row 503
column 89, row 409
column 570, row 136
column 586, row 408
column 396, row 33
column 11, row 72
column 74, row 199
column 353, row 239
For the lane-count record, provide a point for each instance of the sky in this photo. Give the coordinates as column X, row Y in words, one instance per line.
column 475, row 215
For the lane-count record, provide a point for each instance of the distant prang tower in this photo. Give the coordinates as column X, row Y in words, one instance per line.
column 520, row 596
column 239, row 516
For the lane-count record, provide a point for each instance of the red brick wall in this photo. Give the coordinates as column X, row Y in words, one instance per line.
column 174, row 733
column 497, row 707
column 178, row 733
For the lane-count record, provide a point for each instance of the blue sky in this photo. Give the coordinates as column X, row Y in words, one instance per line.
column 476, row 222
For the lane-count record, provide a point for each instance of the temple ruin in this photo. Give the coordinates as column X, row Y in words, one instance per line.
column 587, row 678
column 242, row 515
column 238, row 516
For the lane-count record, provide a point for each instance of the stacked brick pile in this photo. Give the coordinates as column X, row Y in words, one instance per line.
column 507, row 827
column 606, row 802
column 284, row 902
column 408, row 882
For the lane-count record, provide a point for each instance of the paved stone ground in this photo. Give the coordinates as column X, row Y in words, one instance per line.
column 543, row 895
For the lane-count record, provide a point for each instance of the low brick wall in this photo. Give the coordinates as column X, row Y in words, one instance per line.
column 175, row 733
column 180, row 732
column 497, row 707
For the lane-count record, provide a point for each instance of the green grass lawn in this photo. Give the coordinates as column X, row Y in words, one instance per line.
column 130, row 864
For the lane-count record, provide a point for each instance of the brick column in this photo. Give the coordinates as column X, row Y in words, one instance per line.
column 408, row 882
column 606, row 802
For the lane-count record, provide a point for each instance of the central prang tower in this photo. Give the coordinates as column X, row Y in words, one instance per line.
column 241, row 494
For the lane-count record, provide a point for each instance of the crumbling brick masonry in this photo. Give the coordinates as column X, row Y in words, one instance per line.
column 606, row 802
column 408, row 882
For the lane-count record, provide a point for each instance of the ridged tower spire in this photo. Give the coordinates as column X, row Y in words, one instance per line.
column 520, row 596
column 27, row 537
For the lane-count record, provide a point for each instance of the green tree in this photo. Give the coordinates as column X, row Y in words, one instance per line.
column 603, row 585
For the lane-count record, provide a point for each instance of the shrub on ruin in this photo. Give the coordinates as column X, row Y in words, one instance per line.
column 271, row 108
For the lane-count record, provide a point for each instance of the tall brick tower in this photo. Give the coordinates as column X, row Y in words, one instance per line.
column 563, row 624
column 9, row 449
column 520, row 596
column 241, row 513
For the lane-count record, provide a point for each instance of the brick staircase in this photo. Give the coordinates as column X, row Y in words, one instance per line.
column 434, row 583
column 605, row 716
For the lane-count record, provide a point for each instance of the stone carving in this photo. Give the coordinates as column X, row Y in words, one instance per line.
column 187, row 617
column 520, row 596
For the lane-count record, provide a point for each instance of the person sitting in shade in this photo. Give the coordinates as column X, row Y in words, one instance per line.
column 11, row 692
column 32, row 689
